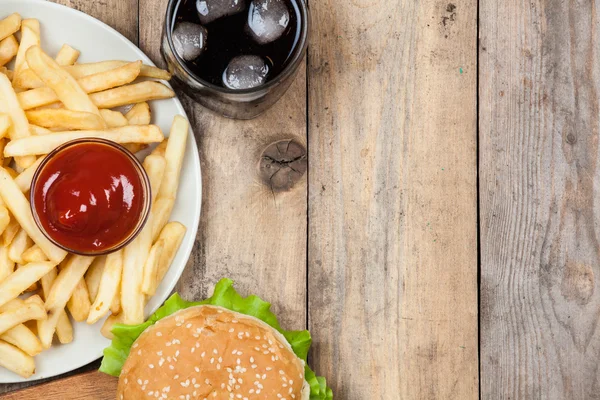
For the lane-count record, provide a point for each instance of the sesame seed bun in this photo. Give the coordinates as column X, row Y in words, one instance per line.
column 209, row 352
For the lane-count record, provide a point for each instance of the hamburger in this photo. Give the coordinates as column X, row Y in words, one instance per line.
column 225, row 347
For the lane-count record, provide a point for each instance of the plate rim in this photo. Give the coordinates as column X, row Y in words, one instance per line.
column 192, row 231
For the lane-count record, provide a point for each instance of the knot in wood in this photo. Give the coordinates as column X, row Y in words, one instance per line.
column 282, row 164
column 578, row 283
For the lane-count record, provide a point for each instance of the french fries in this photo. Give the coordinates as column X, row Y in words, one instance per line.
column 17, row 282
column 31, row 309
column 44, row 144
column 67, row 280
column 19, row 207
column 64, row 329
column 4, row 219
column 9, row 74
column 109, row 323
column 29, row 80
column 134, row 93
column 23, row 180
column 23, row 338
column 10, row 25
column 132, row 298
column 79, row 303
column 64, row 85
column 60, row 293
column 114, row 119
column 8, row 49
column 108, row 288
column 4, row 125
column 3, row 161
column 16, row 360
column 34, row 254
column 174, row 157
column 67, row 55
column 172, row 234
column 161, row 211
column 7, row 266
column 65, row 119
column 30, row 37
column 10, row 231
column 139, row 114
column 155, row 169
column 151, row 267
column 19, row 127
column 20, row 243
column 94, row 275
column 44, row 103
column 90, row 84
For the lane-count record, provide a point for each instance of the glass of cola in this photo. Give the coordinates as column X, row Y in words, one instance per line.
column 235, row 57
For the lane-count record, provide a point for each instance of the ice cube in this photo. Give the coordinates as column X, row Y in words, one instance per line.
column 210, row 10
column 245, row 72
column 267, row 20
column 189, row 40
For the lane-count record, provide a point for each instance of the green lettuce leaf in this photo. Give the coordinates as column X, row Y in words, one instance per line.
column 224, row 296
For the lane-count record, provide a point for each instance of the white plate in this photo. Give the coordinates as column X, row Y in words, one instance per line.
column 98, row 42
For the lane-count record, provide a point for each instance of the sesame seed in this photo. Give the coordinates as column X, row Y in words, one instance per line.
column 231, row 330
column 212, row 360
column 151, row 366
column 196, row 369
column 171, row 367
column 139, row 382
column 253, row 366
column 158, row 333
column 159, row 353
column 176, row 376
column 215, row 351
column 188, row 326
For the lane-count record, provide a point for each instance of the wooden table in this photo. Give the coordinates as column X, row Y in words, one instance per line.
column 443, row 242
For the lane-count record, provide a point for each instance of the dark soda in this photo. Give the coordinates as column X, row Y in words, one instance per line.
column 226, row 37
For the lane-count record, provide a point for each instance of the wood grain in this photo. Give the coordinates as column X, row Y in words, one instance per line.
column 92, row 385
column 119, row 14
column 248, row 232
column 392, row 198
column 540, row 256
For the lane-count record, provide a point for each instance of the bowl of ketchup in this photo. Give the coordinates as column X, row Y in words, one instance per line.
column 90, row 196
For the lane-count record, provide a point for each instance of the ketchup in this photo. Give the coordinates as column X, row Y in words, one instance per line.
column 89, row 197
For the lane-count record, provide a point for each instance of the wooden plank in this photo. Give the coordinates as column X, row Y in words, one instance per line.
column 121, row 15
column 248, row 232
column 539, row 225
column 92, row 385
column 392, row 198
